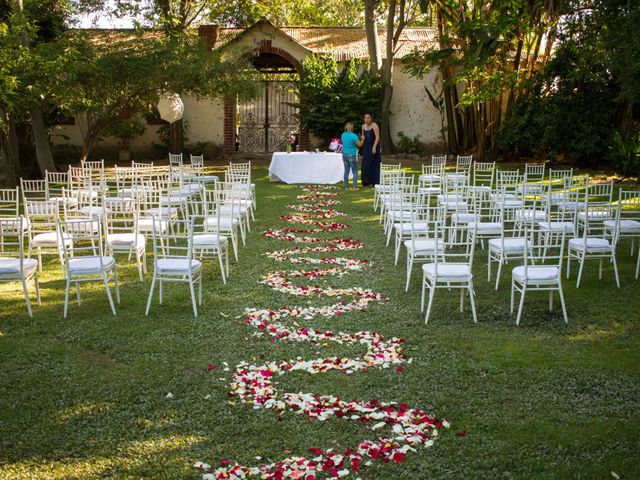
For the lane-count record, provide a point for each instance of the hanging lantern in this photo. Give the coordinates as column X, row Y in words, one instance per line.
column 170, row 107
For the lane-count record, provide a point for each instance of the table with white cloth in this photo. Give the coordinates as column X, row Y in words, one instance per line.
column 306, row 167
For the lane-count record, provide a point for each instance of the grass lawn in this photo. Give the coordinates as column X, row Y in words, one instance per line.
column 84, row 397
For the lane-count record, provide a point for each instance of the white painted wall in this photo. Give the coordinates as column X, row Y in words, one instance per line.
column 205, row 118
column 411, row 110
column 411, row 113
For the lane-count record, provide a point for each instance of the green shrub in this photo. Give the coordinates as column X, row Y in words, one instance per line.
column 411, row 146
column 624, row 154
column 329, row 97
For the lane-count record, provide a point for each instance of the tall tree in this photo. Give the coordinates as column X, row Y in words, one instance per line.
column 121, row 76
column 399, row 14
column 487, row 53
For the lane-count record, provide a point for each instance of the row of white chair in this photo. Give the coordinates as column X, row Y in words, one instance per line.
column 86, row 239
column 523, row 222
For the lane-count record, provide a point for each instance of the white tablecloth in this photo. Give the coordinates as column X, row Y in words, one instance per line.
column 306, row 167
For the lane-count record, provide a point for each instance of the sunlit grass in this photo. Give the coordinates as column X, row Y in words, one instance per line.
column 85, row 397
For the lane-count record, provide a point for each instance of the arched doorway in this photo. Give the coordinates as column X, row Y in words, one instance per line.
column 263, row 123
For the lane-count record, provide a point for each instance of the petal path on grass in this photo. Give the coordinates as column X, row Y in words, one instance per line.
column 405, row 429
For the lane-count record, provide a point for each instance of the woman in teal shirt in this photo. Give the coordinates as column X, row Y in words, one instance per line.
column 350, row 144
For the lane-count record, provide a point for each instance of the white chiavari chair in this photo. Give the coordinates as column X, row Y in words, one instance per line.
column 33, row 189
column 175, row 160
column 627, row 221
column 389, row 179
column 173, row 261
column 430, row 181
column 439, row 160
column 596, row 194
column 44, row 238
column 122, row 234
column 14, row 266
column 207, row 240
column 510, row 245
column 9, row 208
column 421, row 245
column 541, row 271
column 593, row 244
column 387, row 170
column 85, row 260
column 57, row 182
column 484, row 175
column 451, row 268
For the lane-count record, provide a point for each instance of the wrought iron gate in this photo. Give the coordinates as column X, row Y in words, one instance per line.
column 263, row 123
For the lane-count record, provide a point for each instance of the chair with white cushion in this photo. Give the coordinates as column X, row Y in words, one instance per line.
column 173, row 261
column 387, row 174
column 510, row 245
column 56, row 183
column 207, row 240
column 505, row 195
column 627, row 221
column 596, row 194
column 14, row 266
column 244, row 168
column 430, row 181
column 421, row 246
column 541, row 271
column 9, row 209
column 42, row 218
column 389, row 184
column 198, row 172
column 485, row 225
column 483, row 175
column 558, row 220
column 225, row 216
column 593, row 244
column 402, row 229
column 157, row 204
column 534, row 174
column 530, row 213
column 85, row 261
column 122, row 234
column 450, row 268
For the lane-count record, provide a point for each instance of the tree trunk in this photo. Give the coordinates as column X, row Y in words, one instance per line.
column 387, row 76
column 41, row 140
column 87, row 145
column 176, row 138
column 516, row 67
column 9, row 151
column 373, row 41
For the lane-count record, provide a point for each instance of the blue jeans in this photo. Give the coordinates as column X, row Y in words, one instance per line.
column 350, row 163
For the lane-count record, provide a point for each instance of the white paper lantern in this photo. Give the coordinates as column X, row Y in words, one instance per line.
column 170, row 107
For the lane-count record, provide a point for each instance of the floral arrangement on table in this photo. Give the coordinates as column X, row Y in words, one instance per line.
column 291, row 140
column 255, row 383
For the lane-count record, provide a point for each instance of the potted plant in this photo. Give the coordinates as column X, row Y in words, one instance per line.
column 125, row 131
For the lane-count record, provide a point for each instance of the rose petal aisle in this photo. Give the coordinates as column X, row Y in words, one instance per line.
column 396, row 429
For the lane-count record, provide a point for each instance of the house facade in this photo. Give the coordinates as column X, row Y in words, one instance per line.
column 261, row 124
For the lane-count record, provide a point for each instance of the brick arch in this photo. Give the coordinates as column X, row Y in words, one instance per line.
column 264, row 46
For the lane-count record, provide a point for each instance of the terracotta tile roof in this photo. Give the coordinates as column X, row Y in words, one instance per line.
column 344, row 43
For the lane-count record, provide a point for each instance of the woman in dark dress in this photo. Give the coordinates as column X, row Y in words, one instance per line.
column 370, row 152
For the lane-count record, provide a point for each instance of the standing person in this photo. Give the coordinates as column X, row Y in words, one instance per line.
column 370, row 151
column 350, row 144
